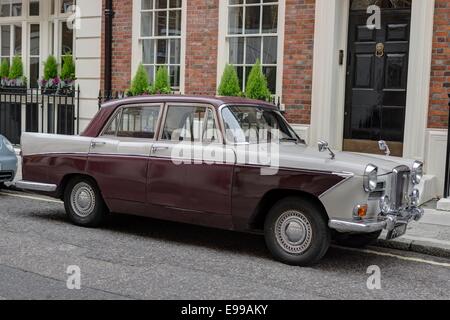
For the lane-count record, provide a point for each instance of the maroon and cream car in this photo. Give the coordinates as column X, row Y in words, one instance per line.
column 227, row 163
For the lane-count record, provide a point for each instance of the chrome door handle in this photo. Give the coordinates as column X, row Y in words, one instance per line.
column 159, row 148
column 95, row 144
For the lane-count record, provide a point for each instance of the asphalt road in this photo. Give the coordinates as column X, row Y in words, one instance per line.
column 138, row 258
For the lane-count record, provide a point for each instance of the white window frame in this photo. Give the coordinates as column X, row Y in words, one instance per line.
column 45, row 20
column 223, row 43
column 137, row 45
column 55, row 39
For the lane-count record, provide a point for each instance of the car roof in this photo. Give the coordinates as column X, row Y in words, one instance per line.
column 214, row 101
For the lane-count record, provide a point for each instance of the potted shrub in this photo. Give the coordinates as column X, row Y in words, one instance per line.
column 140, row 83
column 67, row 76
column 50, row 82
column 257, row 84
column 16, row 79
column 229, row 84
column 162, row 82
column 4, row 73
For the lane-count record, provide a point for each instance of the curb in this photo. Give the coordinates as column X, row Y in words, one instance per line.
column 440, row 250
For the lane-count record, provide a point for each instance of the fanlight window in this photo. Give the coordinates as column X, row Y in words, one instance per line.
column 384, row 4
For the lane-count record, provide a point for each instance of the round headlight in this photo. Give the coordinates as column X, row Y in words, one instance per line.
column 417, row 172
column 8, row 145
column 370, row 178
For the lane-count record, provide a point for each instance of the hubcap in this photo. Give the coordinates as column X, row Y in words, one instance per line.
column 293, row 232
column 82, row 199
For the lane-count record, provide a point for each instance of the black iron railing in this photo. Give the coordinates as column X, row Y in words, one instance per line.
column 35, row 110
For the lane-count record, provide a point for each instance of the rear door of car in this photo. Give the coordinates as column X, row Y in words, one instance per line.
column 184, row 172
column 119, row 157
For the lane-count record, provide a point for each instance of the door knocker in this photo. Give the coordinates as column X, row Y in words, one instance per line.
column 379, row 50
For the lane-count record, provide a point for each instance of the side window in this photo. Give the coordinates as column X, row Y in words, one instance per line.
column 210, row 133
column 111, row 130
column 184, row 123
column 139, row 122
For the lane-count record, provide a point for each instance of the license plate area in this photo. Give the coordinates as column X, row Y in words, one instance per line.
column 397, row 232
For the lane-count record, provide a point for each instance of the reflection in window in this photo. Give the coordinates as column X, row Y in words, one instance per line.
column 252, row 35
column 10, row 8
column 139, row 122
column 385, row 4
column 66, row 5
column 161, row 37
column 34, row 7
column 34, row 55
column 184, row 124
column 255, row 125
column 10, row 35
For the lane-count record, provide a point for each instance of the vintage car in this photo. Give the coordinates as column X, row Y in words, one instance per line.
column 8, row 161
column 223, row 162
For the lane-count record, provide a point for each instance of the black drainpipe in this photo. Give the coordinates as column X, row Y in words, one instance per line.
column 447, row 168
column 109, row 14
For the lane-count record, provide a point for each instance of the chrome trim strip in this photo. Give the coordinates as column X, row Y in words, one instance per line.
column 35, row 186
column 357, row 227
column 389, row 223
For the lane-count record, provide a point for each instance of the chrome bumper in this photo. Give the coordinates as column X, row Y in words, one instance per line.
column 388, row 222
column 35, row 186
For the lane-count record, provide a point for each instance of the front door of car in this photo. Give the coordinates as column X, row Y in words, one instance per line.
column 188, row 171
column 118, row 158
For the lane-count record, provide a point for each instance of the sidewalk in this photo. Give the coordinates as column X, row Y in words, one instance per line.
column 429, row 236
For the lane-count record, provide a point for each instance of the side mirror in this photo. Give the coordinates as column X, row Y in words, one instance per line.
column 323, row 146
column 384, row 147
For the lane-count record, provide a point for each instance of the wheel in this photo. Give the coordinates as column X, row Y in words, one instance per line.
column 296, row 232
column 357, row 240
column 84, row 203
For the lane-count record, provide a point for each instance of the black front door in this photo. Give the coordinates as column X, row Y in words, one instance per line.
column 377, row 74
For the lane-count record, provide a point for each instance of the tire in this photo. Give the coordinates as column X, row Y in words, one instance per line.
column 357, row 240
column 84, row 203
column 306, row 236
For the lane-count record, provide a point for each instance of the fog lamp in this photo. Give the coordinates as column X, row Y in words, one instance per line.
column 415, row 196
column 385, row 205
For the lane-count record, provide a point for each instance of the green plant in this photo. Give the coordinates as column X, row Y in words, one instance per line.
column 68, row 68
column 140, row 83
column 257, row 84
column 162, row 82
column 50, row 68
column 229, row 84
column 16, row 71
column 4, row 69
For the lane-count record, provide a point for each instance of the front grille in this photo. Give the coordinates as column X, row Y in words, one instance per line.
column 379, row 191
column 6, row 176
column 401, row 178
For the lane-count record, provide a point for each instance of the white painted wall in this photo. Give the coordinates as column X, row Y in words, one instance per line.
column 88, row 58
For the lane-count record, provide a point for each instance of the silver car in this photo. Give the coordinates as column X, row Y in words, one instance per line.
column 8, row 161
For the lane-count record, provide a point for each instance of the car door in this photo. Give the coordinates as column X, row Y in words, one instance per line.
column 118, row 158
column 184, row 173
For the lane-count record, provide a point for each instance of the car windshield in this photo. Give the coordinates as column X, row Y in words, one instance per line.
column 249, row 124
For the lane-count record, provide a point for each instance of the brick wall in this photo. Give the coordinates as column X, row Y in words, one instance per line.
column 201, row 47
column 440, row 68
column 122, row 45
column 298, row 59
